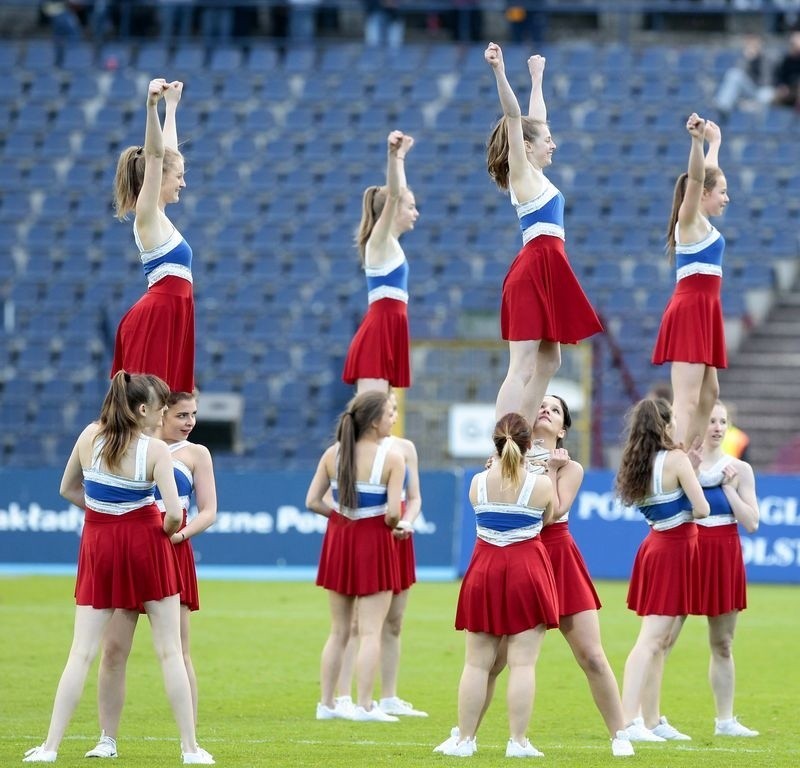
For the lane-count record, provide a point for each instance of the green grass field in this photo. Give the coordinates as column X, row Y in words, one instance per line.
column 256, row 649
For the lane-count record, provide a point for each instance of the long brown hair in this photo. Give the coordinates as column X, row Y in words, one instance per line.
column 566, row 421
column 648, row 424
column 361, row 413
column 512, row 438
column 130, row 177
column 119, row 421
column 497, row 146
column 710, row 178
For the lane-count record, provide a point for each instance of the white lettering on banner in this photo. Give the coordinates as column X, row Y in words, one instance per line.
column 243, row 522
column 34, row 518
column 291, row 518
column 781, row 552
column 778, row 510
column 606, row 506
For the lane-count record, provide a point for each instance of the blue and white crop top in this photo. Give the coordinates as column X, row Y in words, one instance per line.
column 701, row 258
column 502, row 523
column 114, row 494
column 664, row 510
column 172, row 257
column 373, row 499
column 389, row 280
column 544, row 215
column 720, row 508
column 184, row 478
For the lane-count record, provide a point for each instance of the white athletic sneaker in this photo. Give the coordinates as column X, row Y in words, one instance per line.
column 514, row 749
column 450, row 741
column 201, row 757
column 374, row 715
column 732, row 727
column 326, row 713
column 39, row 755
column 637, row 731
column 621, row 745
column 466, row 748
column 669, row 732
column 106, row 747
column 396, row 706
column 344, row 707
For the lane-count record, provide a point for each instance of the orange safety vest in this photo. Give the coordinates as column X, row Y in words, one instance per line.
column 735, row 442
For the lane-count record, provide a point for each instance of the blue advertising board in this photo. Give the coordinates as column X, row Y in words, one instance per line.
column 608, row 533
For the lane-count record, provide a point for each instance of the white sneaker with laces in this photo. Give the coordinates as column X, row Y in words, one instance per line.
column 373, row 715
column 669, row 732
column 39, row 755
column 326, row 713
column 637, row 731
column 732, row 727
column 450, row 741
column 105, row 747
column 466, row 748
column 621, row 745
column 396, row 706
column 344, row 707
column 515, row 749
column 201, row 757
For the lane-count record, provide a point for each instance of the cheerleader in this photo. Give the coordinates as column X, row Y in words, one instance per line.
column 543, row 304
column 126, row 559
column 660, row 480
column 358, row 566
column 194, row 473
column 379, row 352
column 508, row 589
column 692, row 334
column 156, row 335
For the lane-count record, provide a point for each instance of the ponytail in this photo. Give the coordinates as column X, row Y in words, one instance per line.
column 712, row 173
column 512, row 438
column 371, row 207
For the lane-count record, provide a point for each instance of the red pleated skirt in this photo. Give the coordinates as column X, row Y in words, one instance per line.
column 125, row 560
column 507, row 590
column 542, row 298
column 665, row 580
column 722, row 572
column 380, row 348
column 692, row 329
column 358, row 557
column 406, row 562
column 190, row 596
column 574, row 586
column 156, row 335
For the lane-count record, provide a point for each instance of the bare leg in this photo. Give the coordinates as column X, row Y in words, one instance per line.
column 372, row 610
column 372, row 385
column 341, row 608
column 695, row 390
column 523, row 650
column 582, row 632
column 116, row 647
column 390, row 644
column 345, row 685
column 721, row 669
column 187, row 659
column 165, row 622
column 481, row 650
column 651, row 695
column 89, row 625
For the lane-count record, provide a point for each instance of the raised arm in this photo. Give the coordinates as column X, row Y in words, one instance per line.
column 172, row 95
column 397, row 146
column 147, row 210
column 690, row 207
column 739, row 487
column 536, row 106
column 713, row 136
column 205, row 492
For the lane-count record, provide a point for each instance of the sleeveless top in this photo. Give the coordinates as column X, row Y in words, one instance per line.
column 172, row 257
column 711, row 480
column 184, row 479
column 544, row 215
column 388, row 281
column 665, row 510
column 701, row 258
column 502, row 523
column 373, row 500
column 113, row 494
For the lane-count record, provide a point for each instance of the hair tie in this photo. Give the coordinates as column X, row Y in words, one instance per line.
column 127, row 377
column 139, row 151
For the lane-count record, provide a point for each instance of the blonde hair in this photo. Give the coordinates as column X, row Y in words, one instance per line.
column 130, row 177
column 710, row 179
column 497, row 146
column 512, row 438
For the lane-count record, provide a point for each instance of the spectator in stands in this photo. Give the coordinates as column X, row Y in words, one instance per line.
column 379, row 352
column 730, row 490
column 156, row 335
column 126, row 560
column 508, row 592
column 217, row 22
column 175, row 19
column 787, row 75
column 194, row 473
column 358, row 559
column 525, row 24
column 65, row 25
column 540, row 278
column 660, row 480
column 410, row 507
column 384, row 25
column 747, row 80
column 692, row 334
